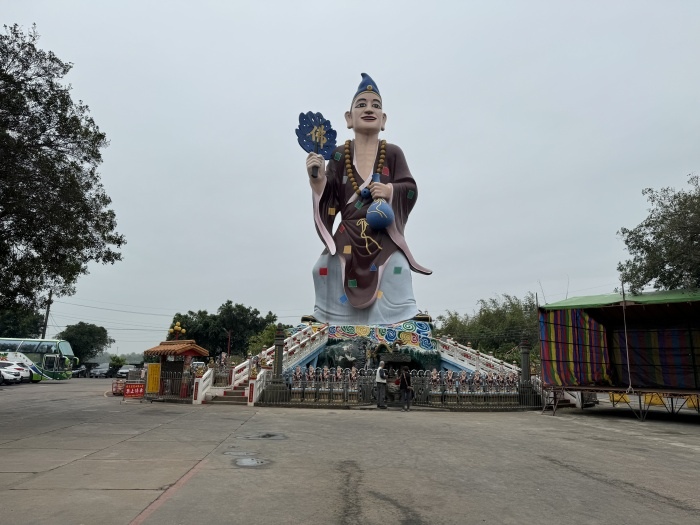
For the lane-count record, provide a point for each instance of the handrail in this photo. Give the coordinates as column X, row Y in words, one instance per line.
column 202, row 386
column 302, row 350
column 298, row 345
column 474, row 358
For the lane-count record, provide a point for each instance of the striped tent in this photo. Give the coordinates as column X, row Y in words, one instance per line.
column 650, row 340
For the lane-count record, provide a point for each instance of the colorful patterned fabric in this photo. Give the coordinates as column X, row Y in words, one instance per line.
column 573, row 349
column 659, row 358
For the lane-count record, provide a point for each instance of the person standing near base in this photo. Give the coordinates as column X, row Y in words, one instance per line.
column 406, row 388
column 381, row 386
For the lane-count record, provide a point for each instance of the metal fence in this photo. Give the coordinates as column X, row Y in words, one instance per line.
column 350, row 387
column 173, row 386
column 223, row 375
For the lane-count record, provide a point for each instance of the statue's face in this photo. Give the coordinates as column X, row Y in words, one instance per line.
column 366, row 115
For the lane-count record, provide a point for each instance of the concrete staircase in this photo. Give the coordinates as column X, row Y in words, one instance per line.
column 235, row 396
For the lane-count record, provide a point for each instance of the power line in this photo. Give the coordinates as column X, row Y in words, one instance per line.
column 114, row 309
column 122, row 304
column 118, row 329
column 82, row 318
column 148, row 313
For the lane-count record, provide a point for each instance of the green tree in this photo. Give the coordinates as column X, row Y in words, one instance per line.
column 264, row 339
column 116, row 361
column 54, row 215
column 87, row 340
column 497, row 326
column 454, row 325
column 212, row 331
column 203, row 327
column 665, row 247
column 21, row 322
column 135, row 358
column 241, row 323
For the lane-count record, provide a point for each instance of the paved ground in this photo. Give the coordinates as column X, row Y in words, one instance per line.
column 72, row 454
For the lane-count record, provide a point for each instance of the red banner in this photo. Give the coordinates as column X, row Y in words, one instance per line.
column 134, row 390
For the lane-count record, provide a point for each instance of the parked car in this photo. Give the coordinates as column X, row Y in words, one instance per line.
column 81, row 371
column 8, row 376
column 198, row 364
column 100, row 371
column 123, row 372
column 24, row 373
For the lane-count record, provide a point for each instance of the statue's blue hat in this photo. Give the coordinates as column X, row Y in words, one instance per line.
column 367, row 85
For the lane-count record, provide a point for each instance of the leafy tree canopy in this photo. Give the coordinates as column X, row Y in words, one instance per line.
column 87, row 340
column 21, row 322
column 212, row 331
column 264, row 339
column 117, row 361
column 136, row 358
column 665, row 247
column 496, row 327
column 54, row 215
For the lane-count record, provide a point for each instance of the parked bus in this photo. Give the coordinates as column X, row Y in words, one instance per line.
column 46, row 358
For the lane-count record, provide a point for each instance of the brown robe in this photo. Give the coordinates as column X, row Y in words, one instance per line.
column 364, row 252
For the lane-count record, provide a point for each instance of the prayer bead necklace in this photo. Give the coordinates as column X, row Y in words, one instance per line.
column 348, row 163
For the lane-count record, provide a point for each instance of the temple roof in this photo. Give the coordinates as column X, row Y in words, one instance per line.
column 179, row 347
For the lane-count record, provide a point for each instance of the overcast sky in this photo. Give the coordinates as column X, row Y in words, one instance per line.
column 531, row 128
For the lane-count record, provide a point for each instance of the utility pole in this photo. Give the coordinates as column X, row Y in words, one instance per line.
column 46, row 317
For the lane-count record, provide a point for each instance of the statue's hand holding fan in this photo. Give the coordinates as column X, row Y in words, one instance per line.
column 316, row 135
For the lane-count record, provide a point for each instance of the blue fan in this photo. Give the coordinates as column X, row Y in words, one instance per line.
column 316, row 134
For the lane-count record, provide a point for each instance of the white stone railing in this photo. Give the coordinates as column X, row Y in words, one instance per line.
column 473, row 359
column 202, row 386
column 258, row 385
column 304, row 347
column 296, row 347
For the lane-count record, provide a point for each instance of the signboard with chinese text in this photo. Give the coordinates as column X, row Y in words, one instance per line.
column 134, row 390
column 153, row 386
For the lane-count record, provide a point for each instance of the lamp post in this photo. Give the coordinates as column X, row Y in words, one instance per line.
column 177, row 330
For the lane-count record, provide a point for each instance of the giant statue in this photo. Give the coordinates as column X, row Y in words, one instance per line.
column 363, row 276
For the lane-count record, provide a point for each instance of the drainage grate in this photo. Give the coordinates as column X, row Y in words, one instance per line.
column 238, row 453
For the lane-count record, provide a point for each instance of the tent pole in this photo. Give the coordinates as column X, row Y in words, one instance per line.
column 627, row 349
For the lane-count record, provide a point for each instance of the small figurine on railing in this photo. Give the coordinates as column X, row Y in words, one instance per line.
column 434, row 379
column 297, row 377
column 310, row 375
column 450, row 380
column 463, row 381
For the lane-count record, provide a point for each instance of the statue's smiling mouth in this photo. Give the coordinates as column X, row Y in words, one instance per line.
column 369, row 117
